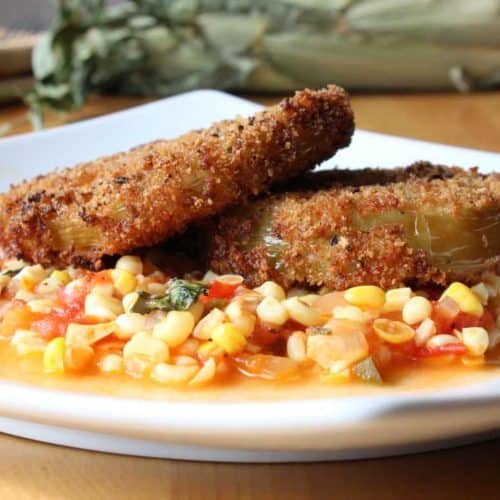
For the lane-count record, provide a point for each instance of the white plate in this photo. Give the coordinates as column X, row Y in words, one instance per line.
column 344, row 427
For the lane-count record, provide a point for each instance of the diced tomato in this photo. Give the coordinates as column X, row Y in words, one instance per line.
column 265, row 336
column 444, row 314
column 219, row 290
column 53, row 325
column 487, row 320
column 426, row 352
column 464, row 320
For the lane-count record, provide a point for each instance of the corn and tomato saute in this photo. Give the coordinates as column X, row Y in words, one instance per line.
column 135, row 319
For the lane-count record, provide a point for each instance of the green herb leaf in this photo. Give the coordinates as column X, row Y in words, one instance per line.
column 181, row 295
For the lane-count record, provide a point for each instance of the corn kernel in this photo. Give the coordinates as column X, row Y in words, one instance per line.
column 205, row 327
column 352, row 313
column 465, row 298
column 144, row 345
column 111, row 363
column 173, row 374
column 207, row 349
column 206, row 373
column 302, row 313
column 271, row 289
column 53, row 356
column 123, row 281
column 365, row 296
column 229, row 338
column 175, row 328
column 394, row 332
column 416, row 310
column 130, row 263
column 442, row 340
column 296, row 346
column 396, row 299
column 272, row 311
column 102, row 307
column 425, row 331
column 184, row 360
column 128, row 324
column 476, row 340
column 60, row 276
column 30, row 276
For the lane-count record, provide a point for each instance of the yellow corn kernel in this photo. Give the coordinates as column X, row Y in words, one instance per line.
column 396, row 299
column 30, row 276
column 144, row 345
column 272, row 311
column 173, row 374
column 102, row 306
column 394, row 332
column 229, row 338
column 111, row 363
column 476, row 340
column 128, row 324
column 296, row 346
column 303, row 313
column 53, row 356
column 416, row 310
column 206, row 373
column 130, row 263
column 184, row 360
column 441, row 340
column 465, row 298
column 175, row 328
column 206, row 325
column 207, row 349
column 365, row 296
column 271, row 289
column 60, row 276
column 123, row 281
column 351, row 313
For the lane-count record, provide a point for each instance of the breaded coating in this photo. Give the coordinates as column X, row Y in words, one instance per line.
column 138, row 198
column 425, row 224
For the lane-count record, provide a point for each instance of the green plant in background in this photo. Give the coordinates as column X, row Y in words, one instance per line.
column 161, row 47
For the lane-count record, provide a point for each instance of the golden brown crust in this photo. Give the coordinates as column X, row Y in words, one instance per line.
column 138, row 198
column 318, row 238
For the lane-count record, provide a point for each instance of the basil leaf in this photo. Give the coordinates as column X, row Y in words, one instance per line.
column 181, row 295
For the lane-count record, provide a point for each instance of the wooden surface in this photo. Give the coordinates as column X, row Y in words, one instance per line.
column 30, row 470
column 470, row 120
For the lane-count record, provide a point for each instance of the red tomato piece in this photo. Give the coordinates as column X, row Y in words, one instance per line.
column 426, row 352
column 219, row 290
column 53, row 325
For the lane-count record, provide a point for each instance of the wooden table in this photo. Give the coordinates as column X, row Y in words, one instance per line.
column 30, row 470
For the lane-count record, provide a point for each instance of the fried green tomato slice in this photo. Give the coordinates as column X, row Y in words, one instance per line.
column 141, row 197
column 424, row 224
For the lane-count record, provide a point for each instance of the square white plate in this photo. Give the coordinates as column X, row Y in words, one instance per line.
column 346, row 427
